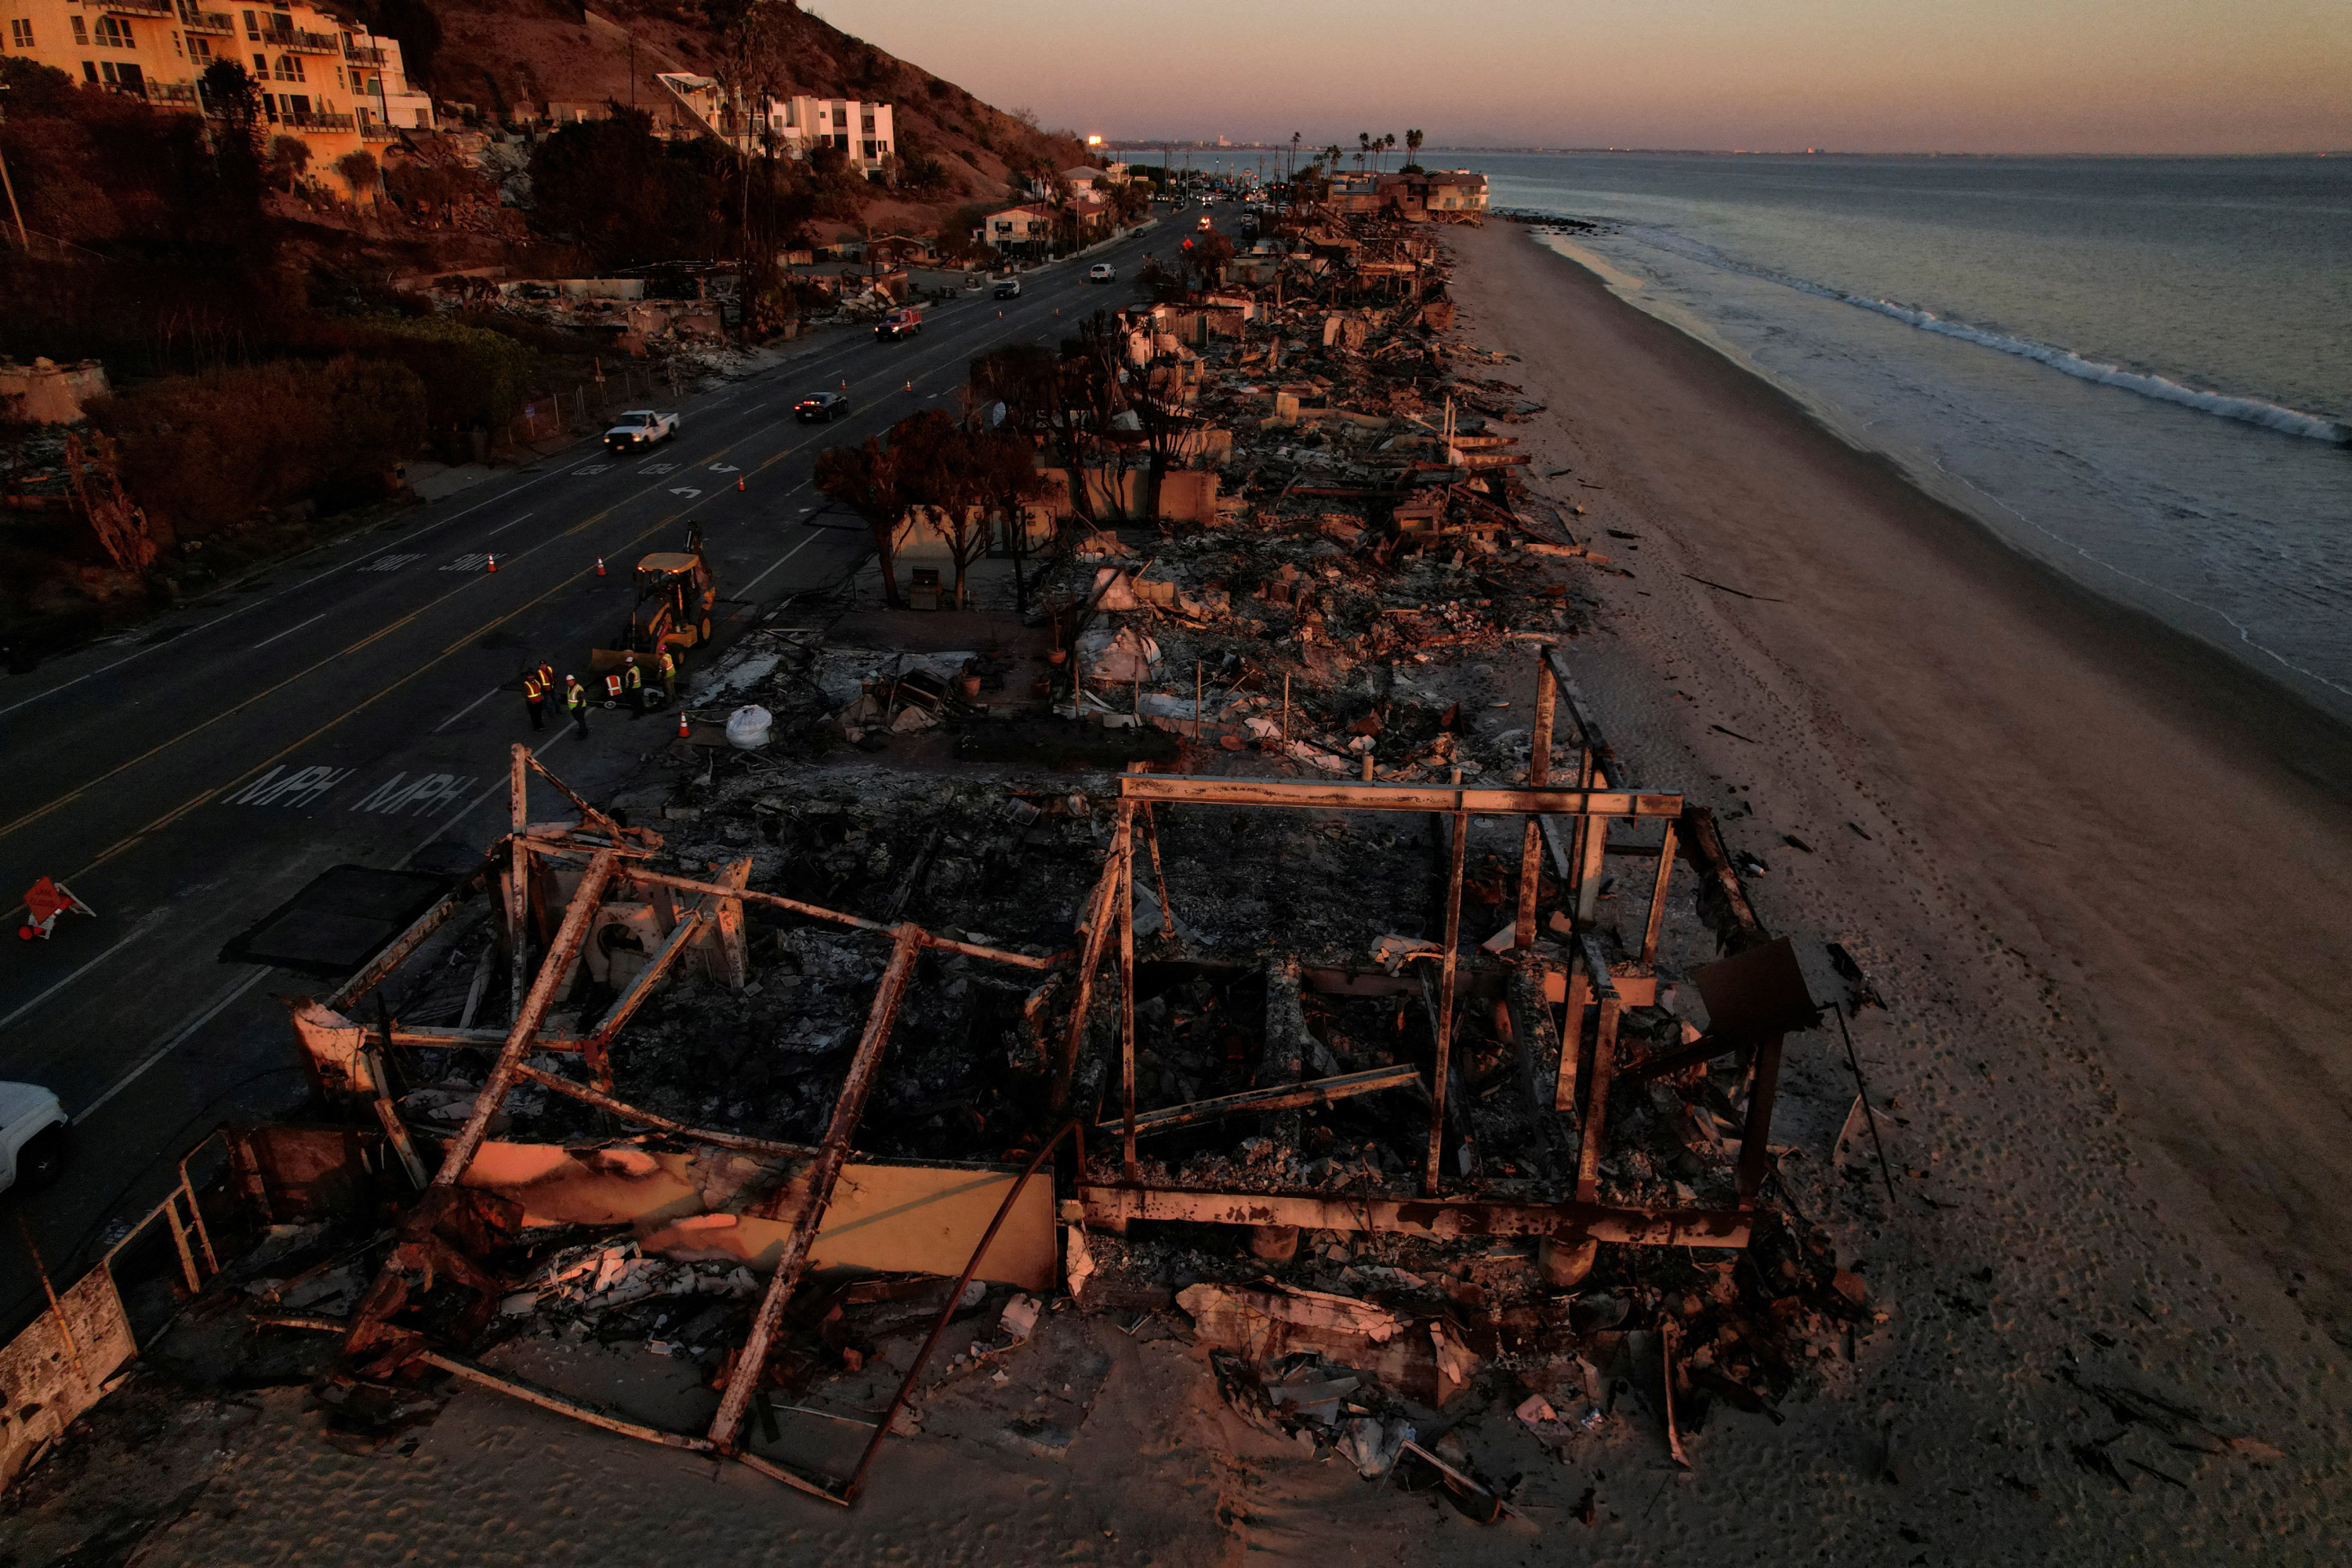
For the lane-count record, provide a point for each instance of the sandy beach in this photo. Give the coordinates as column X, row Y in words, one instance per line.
column 2095, row 874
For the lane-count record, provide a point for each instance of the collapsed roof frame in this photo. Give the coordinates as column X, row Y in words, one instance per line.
column 345, row 1058
column 1580, row 1092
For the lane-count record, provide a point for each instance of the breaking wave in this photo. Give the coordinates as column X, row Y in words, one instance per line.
column 2248, row 410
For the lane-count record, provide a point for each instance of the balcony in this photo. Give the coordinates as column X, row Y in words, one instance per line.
column 317, row 122
column 303, row 43
column 180, row 94
column 219, row 22
column 163, row 8
column 363, row 54
column 377, row 131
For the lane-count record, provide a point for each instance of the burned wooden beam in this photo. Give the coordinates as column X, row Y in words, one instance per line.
column 376, row 968
column 1721, row 898
column 531, row 1393
column 796, row 906
column 520, row 1035
column 1440, row 1219
column 627, row 1112
column 849, row 1106
column 1286, row 1096
column 1317, row 794
column 1096, row 924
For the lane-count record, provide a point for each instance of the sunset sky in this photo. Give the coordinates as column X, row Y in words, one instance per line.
column 2023, row 76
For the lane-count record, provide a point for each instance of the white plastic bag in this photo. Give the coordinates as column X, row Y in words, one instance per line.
column 746, row 727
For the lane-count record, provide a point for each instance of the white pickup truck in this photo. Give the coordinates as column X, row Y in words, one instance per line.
column 640, row 428
column 32, row 1136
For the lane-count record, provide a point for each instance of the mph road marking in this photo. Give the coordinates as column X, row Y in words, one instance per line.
column 400, row 794
column 294, row 787
column 390, row 563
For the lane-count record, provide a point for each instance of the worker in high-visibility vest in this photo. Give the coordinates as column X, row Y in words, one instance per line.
column 534, row 696
column 612, row 688
column 576, row 702
column 668, row 673
column 633, row 685
column 546, row 673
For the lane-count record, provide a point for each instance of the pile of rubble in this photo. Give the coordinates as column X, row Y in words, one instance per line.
column 1260, row 940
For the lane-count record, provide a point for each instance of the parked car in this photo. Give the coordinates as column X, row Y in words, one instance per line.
column 1101, row 272
column 903, row 323
column 825, row 407
column 640, row 428
column 32, row 1136
column 1008, row 287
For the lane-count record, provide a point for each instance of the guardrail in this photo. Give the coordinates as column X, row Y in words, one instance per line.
column 172, row 93
column 196, row 21
column 318, row 121
column 303, row 43
column 134, row 7
column 363, row 54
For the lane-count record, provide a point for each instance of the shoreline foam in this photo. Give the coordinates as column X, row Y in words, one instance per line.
column 2222, row 636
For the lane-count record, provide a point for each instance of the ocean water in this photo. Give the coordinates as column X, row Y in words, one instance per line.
column 2137, row 370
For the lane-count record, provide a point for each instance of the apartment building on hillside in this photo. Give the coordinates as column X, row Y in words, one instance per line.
column 333, row 84
column 861, row 130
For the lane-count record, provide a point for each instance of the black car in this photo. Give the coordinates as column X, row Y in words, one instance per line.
column 824, row 405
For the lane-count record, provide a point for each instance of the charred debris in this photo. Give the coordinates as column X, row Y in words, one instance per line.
column 1257, row 937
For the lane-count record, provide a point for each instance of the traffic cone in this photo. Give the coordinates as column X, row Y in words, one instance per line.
column 492, row 563
column 844, row 384
column 910, row 386
column 685, row 732
column 740, row 486
column 600, row 567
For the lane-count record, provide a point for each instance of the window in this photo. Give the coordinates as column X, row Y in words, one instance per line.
column 175, row 43
column 81, row 33
column 89, row 70
column 199, row 49
column 113, row 32
column 253, row 26
column 20, row 32
column 290, row 68
column 261, row 67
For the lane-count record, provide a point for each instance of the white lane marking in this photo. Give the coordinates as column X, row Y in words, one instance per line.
column 725, row 469
column 300, row 587
column 659, row 468
column 290, row 631
column 688, row 492
column 593, row 469
column 392, row 563
column 504, row 526
column 171, row 1045
column 469, row 708
column 137, row 931
column 473, row 561
column 181, row 1036
column 787, row 556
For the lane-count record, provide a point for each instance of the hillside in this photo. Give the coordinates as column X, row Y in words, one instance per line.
column 511, row 58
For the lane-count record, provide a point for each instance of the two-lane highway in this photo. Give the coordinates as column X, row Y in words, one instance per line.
column 356, row 705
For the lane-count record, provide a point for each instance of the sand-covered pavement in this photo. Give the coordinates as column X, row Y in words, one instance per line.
column 2109, row 931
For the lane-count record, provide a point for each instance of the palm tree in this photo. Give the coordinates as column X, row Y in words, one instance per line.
column 1363, row 147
